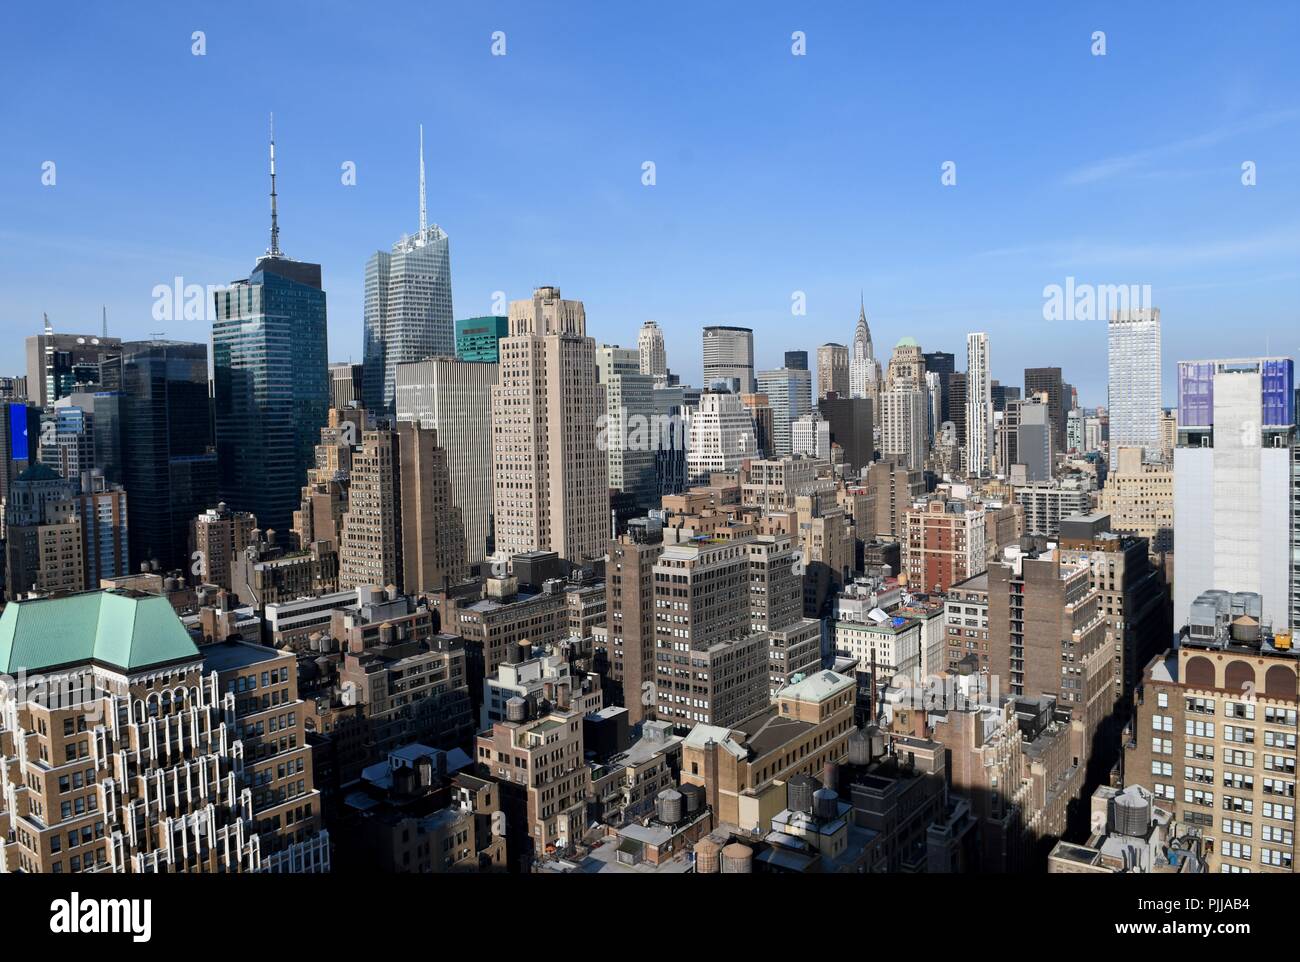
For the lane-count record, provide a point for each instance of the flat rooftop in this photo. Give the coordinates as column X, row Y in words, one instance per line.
column 232, row 655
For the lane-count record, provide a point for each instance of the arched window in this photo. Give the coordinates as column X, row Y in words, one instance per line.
column 1199, row 672
column 1280, row 682
column 1239, row 677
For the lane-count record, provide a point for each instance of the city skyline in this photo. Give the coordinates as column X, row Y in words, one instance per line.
column 856, row 441
column 866, row 223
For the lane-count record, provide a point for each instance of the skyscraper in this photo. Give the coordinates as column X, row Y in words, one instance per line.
column 43, row 537
column 630, row 614
column 652, row 358
column 904, row 422
column 169, row 462
column 851, row 421
column 58, row 364
column 789, row 392
column 477, row 337
column 1234, row 498
column 729, row 358
column 1034, row 442
column 408, row 305
column 944, row 364
column 432, row 531
column 979, row 406
column 105, row 540
column 1133, row 401
column 551, row 484
column 721, row 435
column 864, row 369
column 370, row 543
column 832, row 370
column 271, row 387
column 345, row 384
column 905, row 407
column 1047, row 380
column 629, row 424
column 455, row 397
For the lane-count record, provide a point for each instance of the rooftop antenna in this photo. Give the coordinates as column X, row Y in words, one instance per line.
column 104, row 308
column 274, row 249
column 424, row 210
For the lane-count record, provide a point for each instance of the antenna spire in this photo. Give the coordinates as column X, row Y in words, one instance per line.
column 104, row 308
column 424, row 210
column 274, row 249
column 49, row 328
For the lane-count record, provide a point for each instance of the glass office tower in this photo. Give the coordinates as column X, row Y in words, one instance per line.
column 407, row 311
column 169, row 462
column 476, row 338
column 1133, row 400
column 271, row 389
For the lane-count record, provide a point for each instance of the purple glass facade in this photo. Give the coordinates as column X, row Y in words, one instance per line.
column 1196, row 390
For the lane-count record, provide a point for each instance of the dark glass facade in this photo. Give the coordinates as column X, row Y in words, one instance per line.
column 169, row 462
column 271, row 390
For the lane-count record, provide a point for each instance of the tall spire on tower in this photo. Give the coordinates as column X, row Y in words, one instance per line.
column 274, row 249
column 424, row 210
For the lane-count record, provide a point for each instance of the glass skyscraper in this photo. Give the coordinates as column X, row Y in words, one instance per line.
column 407, row 307
column 271, row 389
column 789, row 392
column 1134, row 399
column 476, row 338
column 169, row 462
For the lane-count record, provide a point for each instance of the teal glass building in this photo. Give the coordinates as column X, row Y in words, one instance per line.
column 476, row 337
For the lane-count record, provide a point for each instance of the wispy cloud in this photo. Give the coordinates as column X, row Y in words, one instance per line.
column 1281, row 241
column 1136, row 161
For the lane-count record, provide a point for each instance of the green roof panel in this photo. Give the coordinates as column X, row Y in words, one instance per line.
column 126, row 631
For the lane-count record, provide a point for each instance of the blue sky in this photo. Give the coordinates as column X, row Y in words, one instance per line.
column 775, row 173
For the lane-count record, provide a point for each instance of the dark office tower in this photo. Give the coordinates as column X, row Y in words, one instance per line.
column 851, row 422
column 169, row 464
column 957, row 409
column 796, row 360
column 1001, row 394
column 1049, row 379
column 407, row 306
column 945, row 365
column 271, row 387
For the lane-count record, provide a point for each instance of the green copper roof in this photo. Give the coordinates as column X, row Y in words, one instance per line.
column 128, row 632
column 907, row 342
